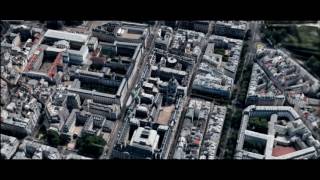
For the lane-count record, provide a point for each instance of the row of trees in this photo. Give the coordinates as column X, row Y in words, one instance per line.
column 54, row 139
column 232, row 123
column 245, row 84
column 314, row 64
column 4, row 26
column 289, row 22
column 234, row 117
column 298, row 40
column 88, row 145
column 58, row 25
column 226, row 126
column 235, row 122
column 243, row 53
column 278, row 35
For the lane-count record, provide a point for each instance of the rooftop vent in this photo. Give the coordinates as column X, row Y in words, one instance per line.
column 145, row 134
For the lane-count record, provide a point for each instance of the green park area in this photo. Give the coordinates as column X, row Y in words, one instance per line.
column 302, row 41
column 222, row 52
column 254, row 146
column 258, row 124
column 90, row 145
column 305, row 37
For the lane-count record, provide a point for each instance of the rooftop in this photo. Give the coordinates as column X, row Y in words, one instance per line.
column 213, row 81
column 165, row 115
column 285, row 139
column 34, row 150
column 9, row 146
column 282, row 150
column 233, row 24
column 145, row 139
column 82, row 38
column 261, row 85
column 286, row 71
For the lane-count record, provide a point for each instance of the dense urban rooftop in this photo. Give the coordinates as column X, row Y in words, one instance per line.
column 154, row 90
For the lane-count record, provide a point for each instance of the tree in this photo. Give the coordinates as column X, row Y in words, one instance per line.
column 219, row 51
column 64, row 139
column 254, row 146
column 225, row 58
column 90, row 145
column 57, row 25
column 73, row 23
column 258, row 125
column 248, row 35
column 53, row 138
column 314, row 64
column 4, row 27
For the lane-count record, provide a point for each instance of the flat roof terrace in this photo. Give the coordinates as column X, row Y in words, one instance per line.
column 282, row 150
column 165, row 114
column 129, row 34
column 75, row 37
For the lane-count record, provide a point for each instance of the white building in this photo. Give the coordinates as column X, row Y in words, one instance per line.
column 145, row 139
column 56, row 35
column 285, row 139
column 76, row 56
column 73, row 45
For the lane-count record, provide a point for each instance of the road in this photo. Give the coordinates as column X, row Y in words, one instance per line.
column 178, row 130
column 249, row 57
column 119, row 123
column 185, row 106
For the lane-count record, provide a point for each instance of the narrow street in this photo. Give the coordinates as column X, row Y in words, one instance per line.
column 184, row 110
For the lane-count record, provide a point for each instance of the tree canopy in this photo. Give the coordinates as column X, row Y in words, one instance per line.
column 53, row 138
column 314, row 64
column 56, row 25
column 258, row 125
column 73, row 23
column 90, row 145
